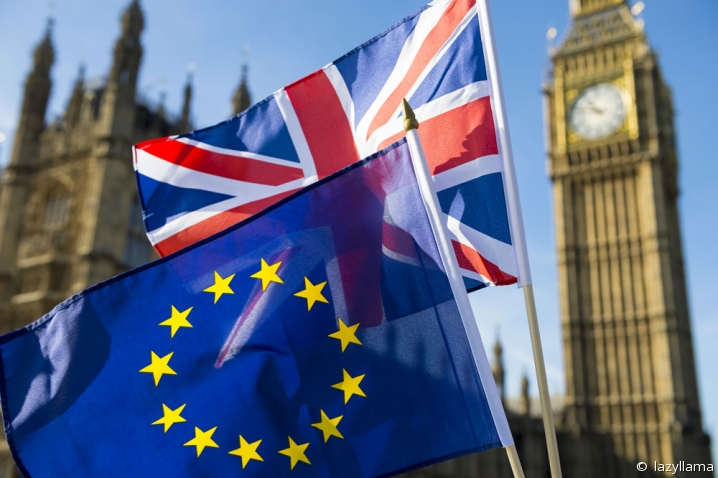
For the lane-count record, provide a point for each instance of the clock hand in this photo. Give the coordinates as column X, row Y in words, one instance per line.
column 595, row 108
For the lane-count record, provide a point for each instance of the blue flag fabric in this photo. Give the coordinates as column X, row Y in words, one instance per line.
column 319, row 338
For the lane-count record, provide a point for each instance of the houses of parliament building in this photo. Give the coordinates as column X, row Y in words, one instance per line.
column 70, row 217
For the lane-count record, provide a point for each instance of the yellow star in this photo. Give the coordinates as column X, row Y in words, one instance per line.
column 313, row 293
column 268, row 274
column 346, row 334
column 159, row 366
column 350, row 386
column 295, row 453
column 221, row 286
column 248, row 451
column 328, row 426
column 178, row 319
column 202, row 440
column 170, row 417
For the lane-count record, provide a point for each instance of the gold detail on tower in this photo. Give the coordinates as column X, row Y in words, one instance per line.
column 560, row 111
column 630, row 87
column 586, row 7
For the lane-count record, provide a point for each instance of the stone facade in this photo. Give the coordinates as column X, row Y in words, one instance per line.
column 69, row 213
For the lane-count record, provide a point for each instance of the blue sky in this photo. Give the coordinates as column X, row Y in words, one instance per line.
column 283, row 40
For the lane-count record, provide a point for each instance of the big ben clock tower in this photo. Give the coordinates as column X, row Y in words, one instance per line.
column 631, row 383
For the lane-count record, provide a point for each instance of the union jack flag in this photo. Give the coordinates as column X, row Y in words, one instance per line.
column 196, row 184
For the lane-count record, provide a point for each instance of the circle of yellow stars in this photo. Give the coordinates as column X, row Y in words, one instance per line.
column 248, row 451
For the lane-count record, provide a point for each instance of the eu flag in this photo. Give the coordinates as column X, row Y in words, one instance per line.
column 319, row 338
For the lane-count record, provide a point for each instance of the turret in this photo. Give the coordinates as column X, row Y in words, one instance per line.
column 184, row 125
column 241, row 99
column 34, row 104
column 161, row 109
column 525, row 398
column 128, row 51
column 498, row 368
column 117, row 112
column 74, row 106
column 13, row 186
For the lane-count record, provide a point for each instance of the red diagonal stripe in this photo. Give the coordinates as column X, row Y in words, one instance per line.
column 471, row 260
column 324, row 123
column 223, row 165
column 457, row 136
column 398, row 240
column 215, row 224
column 432, row 43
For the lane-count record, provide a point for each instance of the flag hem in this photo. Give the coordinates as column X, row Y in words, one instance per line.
column 442, row 459
column 9, row 435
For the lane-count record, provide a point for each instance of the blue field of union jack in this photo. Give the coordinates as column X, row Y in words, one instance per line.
column 196, row 184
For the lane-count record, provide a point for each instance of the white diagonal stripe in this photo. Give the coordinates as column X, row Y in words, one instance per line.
column 475, row 276
column 434, row 108
column 296, row 133
column 471, row 14
column 175, row 175
column 345, row 98
column 427, row 21
column 400, row 257
column 467, row 172
column 191, row 218
column 165, row 172
column 240, row 154
column 491, row 249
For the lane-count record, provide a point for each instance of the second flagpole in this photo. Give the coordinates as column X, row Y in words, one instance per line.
column 517, row 233
column 423, row 176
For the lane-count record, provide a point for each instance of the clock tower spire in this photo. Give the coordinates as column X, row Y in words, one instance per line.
column 631, row 391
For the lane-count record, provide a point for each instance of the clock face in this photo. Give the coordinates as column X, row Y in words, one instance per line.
column 598, row 111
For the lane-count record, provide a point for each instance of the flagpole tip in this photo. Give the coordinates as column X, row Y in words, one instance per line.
column 410, row 121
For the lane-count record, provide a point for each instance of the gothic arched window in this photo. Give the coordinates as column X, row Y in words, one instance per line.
column 57, row 211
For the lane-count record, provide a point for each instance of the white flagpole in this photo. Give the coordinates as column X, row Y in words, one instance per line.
column 517, row 230
column 438, row 225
